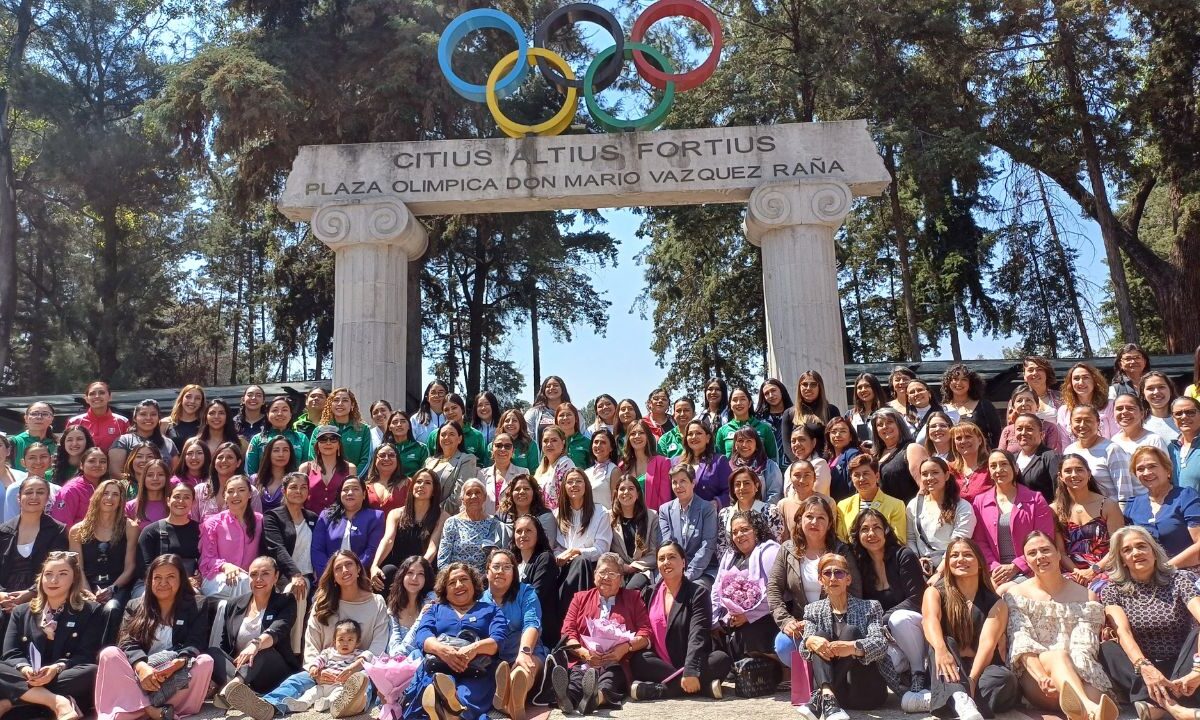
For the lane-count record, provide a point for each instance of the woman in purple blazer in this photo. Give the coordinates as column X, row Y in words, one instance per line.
column 349, row 514
column 1006, row 514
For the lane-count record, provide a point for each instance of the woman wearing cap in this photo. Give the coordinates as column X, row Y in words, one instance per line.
column 327, row 470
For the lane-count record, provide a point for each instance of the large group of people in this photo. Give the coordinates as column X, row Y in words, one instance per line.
column 922, row 543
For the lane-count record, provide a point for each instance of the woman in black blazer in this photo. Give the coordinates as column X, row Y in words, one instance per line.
column 283, row 527
column 176, row 534
column 162, row 633
column 25, row 542
column 686, row 610
column 265, row 660
column 52, row 642
column 540, row 572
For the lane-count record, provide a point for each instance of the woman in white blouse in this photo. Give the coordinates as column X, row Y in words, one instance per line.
column 937, row 516
column 584, row 534
column 603, row 470
column 501, row 472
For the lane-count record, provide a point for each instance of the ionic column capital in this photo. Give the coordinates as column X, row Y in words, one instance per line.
column 384, row 221
column 777, row 205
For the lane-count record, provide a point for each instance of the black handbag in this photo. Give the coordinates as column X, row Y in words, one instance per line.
column 476, row 669
column 756, row 677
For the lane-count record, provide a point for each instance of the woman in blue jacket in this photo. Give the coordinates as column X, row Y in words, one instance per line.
column 522, row 654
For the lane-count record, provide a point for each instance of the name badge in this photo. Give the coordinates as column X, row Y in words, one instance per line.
column 71, row 624
column 268, row 618
column 179, row 622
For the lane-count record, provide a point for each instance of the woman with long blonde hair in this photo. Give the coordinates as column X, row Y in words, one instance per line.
column 107, row 545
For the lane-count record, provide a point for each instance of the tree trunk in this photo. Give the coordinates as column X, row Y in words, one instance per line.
column 955, row 342
column 901, row 236
column 107, row 351
column 475, row 306
column 237, row 329
column 533, row 332
column 1109, row 227
column 9, row 227
column 1056, row 242
column 412, row 350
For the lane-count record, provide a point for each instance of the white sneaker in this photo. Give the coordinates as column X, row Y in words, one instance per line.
column 322, row 704
column 296, row 705
column 964, row 707
column 916, row 702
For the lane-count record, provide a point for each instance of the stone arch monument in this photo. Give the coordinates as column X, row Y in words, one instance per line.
column 798, row 182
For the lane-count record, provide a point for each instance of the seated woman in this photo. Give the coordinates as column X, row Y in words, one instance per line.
column 1155, row 610
column 349, row 515
column 845, row 645
column 107, row 546
column 27, row 540
column 747, row 495
column 162, row 634
column 523, row 497
column 522, row 653
column 892, row 577
column 415, row 529
column 937, row 516
column 600, row 679
column 53, row 642
column 537, row 569
column 748, row 453
column 407, row 599
column 1054, row 638
column 1171, row 514
column 254, row 639
column 754, row 552
column 864, row 475
column 584, row 534
column 470, row 535
column 387, row 485
column 287, row 536
column 964, row 623
column 457, row 679
column 691, row 522
column 1086, row 517
column 229, row 540
column 680, row 637
column 178, row 534
column 794, row 581
column 1008, row 512
column 343, row 593
column 635, row 533
column 150, row 504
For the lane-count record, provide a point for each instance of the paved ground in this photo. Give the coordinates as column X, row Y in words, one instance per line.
column 731, row 708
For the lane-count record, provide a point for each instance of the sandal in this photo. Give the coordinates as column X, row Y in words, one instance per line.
column 168, row 712
column 1071, row 705
column 1108, row 708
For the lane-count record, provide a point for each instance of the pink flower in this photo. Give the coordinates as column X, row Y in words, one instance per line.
column 738, row 592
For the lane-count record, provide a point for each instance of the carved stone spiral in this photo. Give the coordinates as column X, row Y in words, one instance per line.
column 830, row 202
column 332, row 223
column 385, row 221
column 772, row 204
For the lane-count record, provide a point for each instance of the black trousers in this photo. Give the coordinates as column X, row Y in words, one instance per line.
column 266, row 672
column 77, row 682
column 757, row 638
column 1119, row 669
column 648, row 666
column 114, row 613
column 997, row 690
column 610, row 681
column 575, row 576
column 856, row 686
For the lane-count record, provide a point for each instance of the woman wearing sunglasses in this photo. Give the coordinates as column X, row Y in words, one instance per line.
column 845, row 646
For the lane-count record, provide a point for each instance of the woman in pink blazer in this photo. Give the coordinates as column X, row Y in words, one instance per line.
column 229, row 541
column 1006, row 514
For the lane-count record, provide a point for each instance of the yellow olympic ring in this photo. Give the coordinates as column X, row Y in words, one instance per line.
column 555, row 125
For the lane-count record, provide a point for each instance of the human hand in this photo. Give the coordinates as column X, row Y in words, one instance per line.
column 1003, row 573
column 147, row 678
column 947, row 668
column 299, row 587
column 820, row 646
column 737, row 620
column 1047, row 686
column 1188, row 684
column 526, row 662
column 246, row 656
column 793, row 629
column 690, row 685
column 376, row 579
column 328, row 677
column 1161, row 689
column 172, row 667
column 104, row 595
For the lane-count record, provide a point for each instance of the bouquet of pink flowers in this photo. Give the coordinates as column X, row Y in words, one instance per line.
column 739, row 592
column 391, row 677
column 604, row 634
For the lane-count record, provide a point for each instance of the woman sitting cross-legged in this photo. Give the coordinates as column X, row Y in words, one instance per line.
column 1155, row 610
column 680, row 637
column 255, row 638
column 343, row 593
column 597, row 679
column 229, row 540
column 460, row 634
column 964, row 623
column 845, row 645
column 522, row 654
column 1054, row 638
column 159, row 669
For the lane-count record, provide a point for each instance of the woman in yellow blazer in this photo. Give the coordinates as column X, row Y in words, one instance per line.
column 864, row 475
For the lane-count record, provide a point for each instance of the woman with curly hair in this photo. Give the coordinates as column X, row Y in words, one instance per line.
column 354, row 435
column 752, row 551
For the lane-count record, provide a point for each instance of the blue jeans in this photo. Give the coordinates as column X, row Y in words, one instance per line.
column 293, row 687
column 784, row 647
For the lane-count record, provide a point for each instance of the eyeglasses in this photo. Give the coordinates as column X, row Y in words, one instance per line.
column 835, row 574
column 1184, row 413
column 607, row 573
column 327, row 439
column 506, row 567
column 39, row 414
column 502, row 446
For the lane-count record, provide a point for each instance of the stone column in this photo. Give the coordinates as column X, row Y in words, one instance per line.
column 373, row 243
column 793, row 222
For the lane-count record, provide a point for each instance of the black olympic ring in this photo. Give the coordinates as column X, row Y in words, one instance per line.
column 569, row 15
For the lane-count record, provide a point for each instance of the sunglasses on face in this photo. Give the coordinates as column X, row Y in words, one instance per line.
column 835, row 574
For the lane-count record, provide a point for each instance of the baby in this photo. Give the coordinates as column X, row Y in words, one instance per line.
column 346, row 697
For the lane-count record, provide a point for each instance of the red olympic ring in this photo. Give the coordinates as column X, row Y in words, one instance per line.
column 692, row 9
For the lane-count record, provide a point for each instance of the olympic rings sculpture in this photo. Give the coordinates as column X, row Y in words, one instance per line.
column 508, row 74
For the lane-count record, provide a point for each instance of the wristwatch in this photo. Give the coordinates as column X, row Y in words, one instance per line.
column 527, row 650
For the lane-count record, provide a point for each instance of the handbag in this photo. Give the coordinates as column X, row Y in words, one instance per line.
column 756, row 677
column 476, row 669
column 178, row 681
